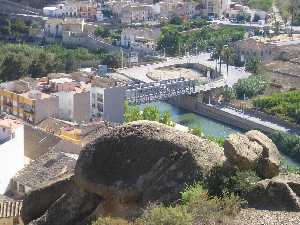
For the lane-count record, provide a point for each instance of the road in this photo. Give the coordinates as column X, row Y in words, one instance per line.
column 140, row 72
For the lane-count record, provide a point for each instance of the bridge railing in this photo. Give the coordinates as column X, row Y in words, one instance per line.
column 155, row 91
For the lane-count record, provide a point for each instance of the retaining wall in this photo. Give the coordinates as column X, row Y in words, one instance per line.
column 194, row 104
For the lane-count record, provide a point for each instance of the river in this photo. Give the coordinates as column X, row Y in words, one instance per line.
column 183, row 117
column 209, row 126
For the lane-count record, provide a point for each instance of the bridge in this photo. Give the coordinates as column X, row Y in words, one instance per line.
column 9, row 7
column 165, row 89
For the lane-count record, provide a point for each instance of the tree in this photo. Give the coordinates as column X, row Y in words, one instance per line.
column 166, row 119
column 229, row 94
column 253, row 65
column 112, row 61
column 131, row 113
column 170, row 40
column 293, row 8
column 228, row 56
column 151, row 113
column 176, row 20
column 256, row 18
column 102, row 32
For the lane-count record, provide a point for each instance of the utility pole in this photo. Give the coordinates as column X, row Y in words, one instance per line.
column 122, row 58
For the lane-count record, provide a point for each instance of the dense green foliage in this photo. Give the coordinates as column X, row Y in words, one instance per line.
column 197, row 207
column 223, row 180
column 198, row 132
column 285, row 105
column 265, row 5
column 13, row 27
column 253, row 65
column 102, row 32
column 151, row 113
column 177, row 215
column 176, row 39
column 18, row 60
column 250, row 87
column 287, row 144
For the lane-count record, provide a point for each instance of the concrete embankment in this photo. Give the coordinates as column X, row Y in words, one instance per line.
column 235, row 119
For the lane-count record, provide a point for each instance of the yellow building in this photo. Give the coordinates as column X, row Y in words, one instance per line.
column 31, row 106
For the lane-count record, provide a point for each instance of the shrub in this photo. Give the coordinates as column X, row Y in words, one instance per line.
column 250, row 87
column 287, row 144
column 222, row 181
column 178, row 215
column 285, row 105
column 111, row 221
column 210, row 210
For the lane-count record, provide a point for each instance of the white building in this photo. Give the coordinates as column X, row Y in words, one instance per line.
column 136, row 13
column 107, row 100
column 74, row 99
column 70, row 9
column 141, row 40
column 11, row 150
column 53, row 11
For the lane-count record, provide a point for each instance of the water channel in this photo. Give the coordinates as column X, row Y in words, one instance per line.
column 209, row 126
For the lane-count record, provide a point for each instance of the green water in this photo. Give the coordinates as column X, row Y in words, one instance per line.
column 192, row 120
column 209, row 126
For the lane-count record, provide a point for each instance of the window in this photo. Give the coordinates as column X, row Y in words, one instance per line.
column 21, row 188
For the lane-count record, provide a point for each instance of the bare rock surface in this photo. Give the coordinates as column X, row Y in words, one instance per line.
column 281, row 192
column 38, row 201
column 253, row 151
column 145, row 161
column 69, row 209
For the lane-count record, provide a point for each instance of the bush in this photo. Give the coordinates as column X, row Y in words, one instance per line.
column 210, row 210
column 250, row 87
column 178, row 215
column 287, row 144
column 284, row 105
column 222, row 181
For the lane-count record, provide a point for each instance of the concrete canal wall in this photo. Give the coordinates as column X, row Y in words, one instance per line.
column 194, row 104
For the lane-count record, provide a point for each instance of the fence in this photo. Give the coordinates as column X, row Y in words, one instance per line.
column 10, row 208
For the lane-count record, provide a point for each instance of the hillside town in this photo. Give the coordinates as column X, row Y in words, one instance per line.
column 149, row 112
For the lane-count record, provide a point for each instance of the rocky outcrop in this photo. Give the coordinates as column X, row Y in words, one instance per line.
column 144, row 161
column 38, row 201
column 281, row 192
column 253, row 151
column 70, row 209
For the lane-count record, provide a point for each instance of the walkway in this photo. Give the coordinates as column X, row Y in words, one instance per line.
column 140, row 72
column 266, row 123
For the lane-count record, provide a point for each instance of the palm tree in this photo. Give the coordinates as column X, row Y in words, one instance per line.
column 228, row 56
column 293, row 7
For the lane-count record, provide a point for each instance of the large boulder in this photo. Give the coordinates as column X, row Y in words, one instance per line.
column 38, row 201
column 253, row 151
column 145, row 161
column 281, row 192
column 69, row 209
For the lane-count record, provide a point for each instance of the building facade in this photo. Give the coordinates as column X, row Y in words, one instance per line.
column 11, row 150
column 31, row 106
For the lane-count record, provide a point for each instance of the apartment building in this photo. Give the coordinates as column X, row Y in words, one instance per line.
column 141, row 39
column 69, row 30
column 31, row 105
column 107, row 99
column 11, row 149
column 216, row 8
column 136, row 13
column 87, row 10
column 74, row 99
